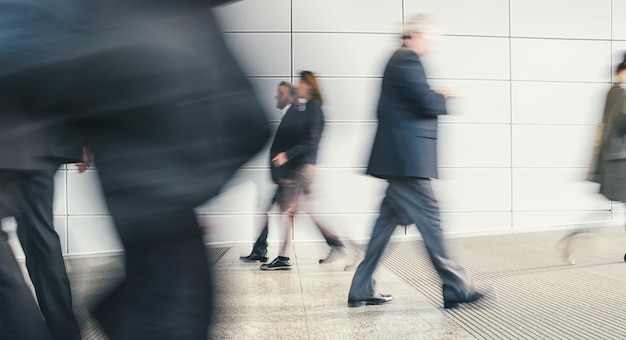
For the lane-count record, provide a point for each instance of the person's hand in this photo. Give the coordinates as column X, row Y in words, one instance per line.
column 87, row 160
column 446, row 93
column 280, row 159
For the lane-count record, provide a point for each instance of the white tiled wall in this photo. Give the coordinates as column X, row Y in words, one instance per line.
column 531, row 76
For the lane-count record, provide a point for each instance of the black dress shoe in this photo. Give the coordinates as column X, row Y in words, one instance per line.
column 279, row 263
column 454, row 302
column 256, row 255
column 380, row 299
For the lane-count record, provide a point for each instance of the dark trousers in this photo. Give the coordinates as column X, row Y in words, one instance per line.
column 283, row 199
column 408, row 201
column 44, row 258
column 20, row 318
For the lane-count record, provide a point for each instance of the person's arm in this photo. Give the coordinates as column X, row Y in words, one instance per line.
column 87, row 160
column 411, row 80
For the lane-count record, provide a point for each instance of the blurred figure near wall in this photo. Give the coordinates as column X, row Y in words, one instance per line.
column 405, row 155
column 293, row 156
column 608, row 165
column 151, row 87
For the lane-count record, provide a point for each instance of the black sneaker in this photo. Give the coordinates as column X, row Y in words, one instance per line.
column 279, row 263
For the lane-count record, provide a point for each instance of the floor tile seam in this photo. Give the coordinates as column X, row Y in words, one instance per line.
column 305, row 312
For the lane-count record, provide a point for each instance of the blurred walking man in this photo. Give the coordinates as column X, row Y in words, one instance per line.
column 404, row 154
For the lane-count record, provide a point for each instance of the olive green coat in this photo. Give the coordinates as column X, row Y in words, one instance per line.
column 609, row 164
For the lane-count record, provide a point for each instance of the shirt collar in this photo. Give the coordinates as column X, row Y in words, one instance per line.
column 285, row 109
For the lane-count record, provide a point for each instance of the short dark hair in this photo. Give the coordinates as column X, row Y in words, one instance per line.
column 293, row 92
column 621, row 66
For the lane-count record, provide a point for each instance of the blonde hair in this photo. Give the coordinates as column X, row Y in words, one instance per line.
column 422, row 24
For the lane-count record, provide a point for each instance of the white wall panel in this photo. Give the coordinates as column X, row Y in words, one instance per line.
column 472, row 223
column 619, row 50
column 344, row 191
column 350, row 99
column 558, row 103
column 383, row 16
column 240, row 198
column 262, row 54
column 469, row 58
column 530, row 80
column 555, row 189
column 352, row 226
column 332, row 54
column 474, row 190
column 233, row 228
column 469, row 17
column 619, row 24
column 575, row 19
column 266, row 15
column 560, row 60
column 59, row 202
column 84, row 193
column 346, row 145
column 559, row 219
column 547, row 146
column 477, row 101
column 91, row 234
column 475, row 145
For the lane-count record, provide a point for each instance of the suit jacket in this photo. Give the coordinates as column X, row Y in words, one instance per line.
column 406, row 139
column 298, row 135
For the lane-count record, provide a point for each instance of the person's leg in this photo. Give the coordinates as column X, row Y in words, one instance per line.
column 287, row 198
column 363, row 285
column 417, row 201
column 21, row 318
column 167, row 290
column 259, row 250
column 44, row 258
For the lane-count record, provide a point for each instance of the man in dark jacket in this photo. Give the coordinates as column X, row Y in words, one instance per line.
column 404, row 154
column 40, row 241
column 286, row 95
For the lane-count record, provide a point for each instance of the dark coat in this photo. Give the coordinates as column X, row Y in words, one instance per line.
column 610, row 158
column 298, row 135
column 159, row 98
column 406, row 139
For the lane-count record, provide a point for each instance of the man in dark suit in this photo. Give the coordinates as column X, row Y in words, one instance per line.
column 404, row 153
column 286, row 95
column 21, row 317
column 153, row 89
column 40, row 241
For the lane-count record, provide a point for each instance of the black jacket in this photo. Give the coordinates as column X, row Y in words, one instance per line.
column 406, row 139
column 298, row 135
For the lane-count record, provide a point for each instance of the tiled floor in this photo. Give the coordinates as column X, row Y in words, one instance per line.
column 533, row 292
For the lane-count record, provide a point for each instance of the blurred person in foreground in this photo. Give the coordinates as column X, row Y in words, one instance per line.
column 151, row 87
column 294, row 139
column 405, row 155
